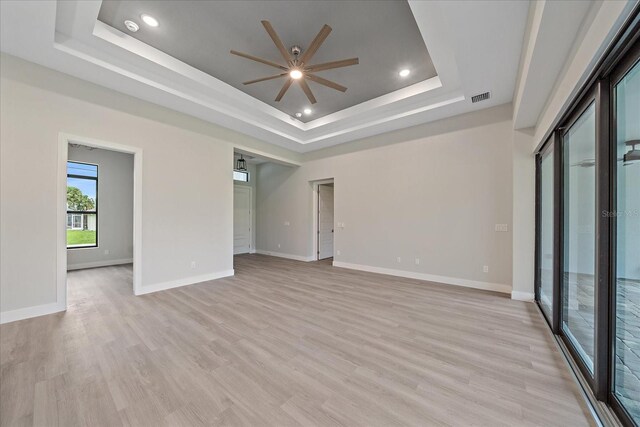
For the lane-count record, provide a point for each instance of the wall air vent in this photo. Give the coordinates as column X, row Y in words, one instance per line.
column 481, row 97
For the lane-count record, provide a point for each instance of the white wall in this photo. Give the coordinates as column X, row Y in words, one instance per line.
column 436, row 196
column 115, row 209
column 523, row 215
column 186, row 179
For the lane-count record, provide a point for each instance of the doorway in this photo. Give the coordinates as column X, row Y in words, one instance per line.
column 325, row 221
column 242, row 219
column 86, row 237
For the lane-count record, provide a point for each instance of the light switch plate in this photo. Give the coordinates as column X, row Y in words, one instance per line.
column 502, row 228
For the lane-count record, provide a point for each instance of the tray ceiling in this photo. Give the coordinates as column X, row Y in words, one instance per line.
column 474, row 46
column 382, row 34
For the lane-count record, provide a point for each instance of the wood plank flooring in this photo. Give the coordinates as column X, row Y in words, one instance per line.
column 284, row 343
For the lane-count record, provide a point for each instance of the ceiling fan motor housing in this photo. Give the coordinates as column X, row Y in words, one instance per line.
column 296, row 50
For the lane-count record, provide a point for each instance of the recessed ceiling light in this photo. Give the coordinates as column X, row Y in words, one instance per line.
column 298, row 114
column 295, row 74
column 131, row 26
column 149, row 20
column 405, row 72
column 307, row 111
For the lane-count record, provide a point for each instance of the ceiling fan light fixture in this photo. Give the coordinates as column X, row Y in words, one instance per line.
column 298, row 66
column 405, row 72
column 149, row 20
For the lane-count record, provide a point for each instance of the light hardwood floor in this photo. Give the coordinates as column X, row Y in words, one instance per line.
column 284, row 343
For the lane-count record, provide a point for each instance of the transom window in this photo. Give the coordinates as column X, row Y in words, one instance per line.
column 242, row 176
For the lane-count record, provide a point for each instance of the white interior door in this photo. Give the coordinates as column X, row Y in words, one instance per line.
column 241, row 219
column 325, row 221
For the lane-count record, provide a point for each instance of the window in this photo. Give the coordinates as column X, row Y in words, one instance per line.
column 578, row 283
column 82, row 205
column 626, row 216
column 546, row 242
column 241, row 176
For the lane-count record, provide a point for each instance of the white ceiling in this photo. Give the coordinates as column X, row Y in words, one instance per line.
column 382, row 34
column 475, row 47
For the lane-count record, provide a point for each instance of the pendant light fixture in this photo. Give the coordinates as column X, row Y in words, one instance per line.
column 241, row 164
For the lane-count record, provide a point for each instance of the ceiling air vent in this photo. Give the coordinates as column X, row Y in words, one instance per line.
column 481, row 97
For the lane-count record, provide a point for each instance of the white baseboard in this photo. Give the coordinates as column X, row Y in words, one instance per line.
column 96, row 264
column 487, row 286
column 522, row 296
column 183, row 282
column 288, row 256
column 28, row 312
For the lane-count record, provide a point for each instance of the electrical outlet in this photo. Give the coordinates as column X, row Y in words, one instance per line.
column 417, row 261
column 278, row 245
column 399, row 259
column 338, row 252
column 485, row 269
column 106, row 251
column 193, row 264
column 287, row 223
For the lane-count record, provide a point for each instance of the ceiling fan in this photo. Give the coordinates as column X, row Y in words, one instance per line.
column 298, row 67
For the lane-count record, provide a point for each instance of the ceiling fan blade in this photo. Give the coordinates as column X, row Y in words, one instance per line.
column 307, row 91
column 265, row 78
column 284, row 89
column 276, row 40
column 326, row 82
column 333, row 64
column 255, row 58
column 315, row 44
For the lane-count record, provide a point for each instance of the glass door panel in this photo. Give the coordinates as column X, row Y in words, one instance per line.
column 546, row 251
column 579, row 215
column 627, row 215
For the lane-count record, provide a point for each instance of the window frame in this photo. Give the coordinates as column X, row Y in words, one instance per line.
column 548, row 149
column 94, row 212
column 589, row 98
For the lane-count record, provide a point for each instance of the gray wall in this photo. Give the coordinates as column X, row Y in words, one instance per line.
column 115, row 209
column 436, row 197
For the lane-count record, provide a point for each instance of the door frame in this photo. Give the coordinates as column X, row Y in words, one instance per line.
column 64, row 139
column 251, row 229
column 314, row 215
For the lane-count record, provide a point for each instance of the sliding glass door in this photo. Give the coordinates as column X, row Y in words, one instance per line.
column 626, row 378
column 579, row 213
column 546, row 234
column 588, row 230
